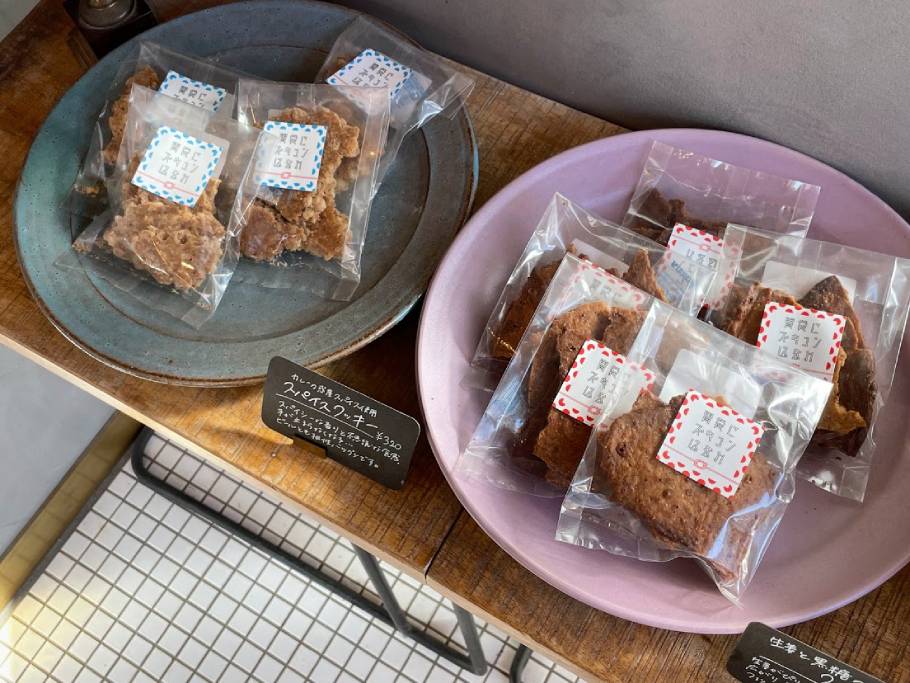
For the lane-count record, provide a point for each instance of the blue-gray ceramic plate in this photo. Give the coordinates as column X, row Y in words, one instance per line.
column 420, row 206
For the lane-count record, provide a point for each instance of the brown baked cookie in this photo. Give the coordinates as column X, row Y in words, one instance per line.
column 561, row 445
column 558, row 440
column 830, row 296
column 520, row 311
column 305, row 221
column 854, row 378
column 656, row 216
column 264, row 232
column 837, row 417
column 743, row 318
column 134, row 193
column 174, row 244
column 641, row 274
column 116, row 122
column 676, row 509
column 857, row 389
column 849, row 406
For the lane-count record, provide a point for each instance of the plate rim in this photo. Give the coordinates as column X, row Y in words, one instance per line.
column 492, row 207
column 465, row 130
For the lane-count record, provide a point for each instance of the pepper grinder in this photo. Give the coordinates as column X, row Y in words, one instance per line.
column 108, row 23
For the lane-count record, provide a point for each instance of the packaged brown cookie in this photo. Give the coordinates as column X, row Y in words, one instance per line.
column 421, row 84
column 678, row 187
column 204, row 84
column 564, row 228
column 305, row 202
column 835, row 312
column 167, row 238
column 700, row 462
column 537, row 423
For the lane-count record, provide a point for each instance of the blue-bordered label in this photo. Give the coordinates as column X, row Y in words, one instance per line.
column 290, row 155
column 177, row 166
column 372, row 69
column 187, row 90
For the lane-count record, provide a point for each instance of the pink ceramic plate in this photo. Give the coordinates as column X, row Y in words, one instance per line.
column 828, row 551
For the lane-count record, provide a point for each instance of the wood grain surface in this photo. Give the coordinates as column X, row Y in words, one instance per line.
column 872, row 634
column 422, row 528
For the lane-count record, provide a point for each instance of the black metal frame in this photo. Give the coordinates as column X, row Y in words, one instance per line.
column 389, row 611
column 519, row 662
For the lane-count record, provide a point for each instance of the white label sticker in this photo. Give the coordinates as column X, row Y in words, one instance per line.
column 187, row 90
column 694, row 369
column 799, row 280
column 290, row 155
column 608, row 288
column 696, row 245
column 704, row 249
column 593, row 378
column 372, row 69
column 712, row 444
column 177, row 166
column 807, row 339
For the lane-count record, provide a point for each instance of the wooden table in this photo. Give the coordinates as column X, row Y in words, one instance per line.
column 421, row 529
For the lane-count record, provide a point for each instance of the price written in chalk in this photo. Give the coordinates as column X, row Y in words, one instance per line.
column 353, row 429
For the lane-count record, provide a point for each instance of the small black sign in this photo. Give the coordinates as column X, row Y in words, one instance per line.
column 355, row 430
column 766, row 655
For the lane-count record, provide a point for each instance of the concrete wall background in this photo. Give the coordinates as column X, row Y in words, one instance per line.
column 829, row 78
column 12, row 12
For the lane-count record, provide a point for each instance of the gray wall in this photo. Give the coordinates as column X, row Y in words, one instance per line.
column 828, row 78
column 12, row 12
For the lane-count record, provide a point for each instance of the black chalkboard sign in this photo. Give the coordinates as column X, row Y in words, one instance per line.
column 358, row 431
column 766, row 655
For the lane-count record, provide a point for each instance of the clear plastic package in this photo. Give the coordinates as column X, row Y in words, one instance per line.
column 165, row 239
column 304, row 205
column 420, row 83
column 699, row 465
column 526, row 440
column 847, row 310
column 207, row 85
column 564, row 228
column 680, row 187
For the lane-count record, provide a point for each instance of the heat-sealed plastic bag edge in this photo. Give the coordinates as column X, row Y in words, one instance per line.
column 680, row 186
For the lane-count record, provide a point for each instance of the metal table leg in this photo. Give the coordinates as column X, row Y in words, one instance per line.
column 477, row 663
column 389, row 611
column 519, row 662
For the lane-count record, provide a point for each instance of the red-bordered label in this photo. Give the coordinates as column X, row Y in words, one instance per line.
column 594, row 375
column 710, row 443
column 804, row 337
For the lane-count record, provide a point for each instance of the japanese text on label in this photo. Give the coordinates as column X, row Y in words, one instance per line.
column 177, row 166
column 710, row 443
column 765, row 655
column 593, row 377
column 290, row 155
column 197, row 93
column 807, row 339
column 372, row 69
column 343, row 421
